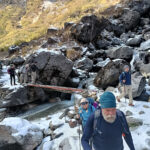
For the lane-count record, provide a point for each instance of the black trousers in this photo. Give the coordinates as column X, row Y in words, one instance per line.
column 12, row 77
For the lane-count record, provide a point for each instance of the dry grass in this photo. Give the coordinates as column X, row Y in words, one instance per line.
column 17, row 26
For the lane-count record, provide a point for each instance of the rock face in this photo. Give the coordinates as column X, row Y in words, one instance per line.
column 88, row 28
column 134, row 41
column 123, row 52
column 84, row 64
column 138, row 84
column 19, row 133
column 54, row 69
column 109, row 75
column 130, row 19
column 21, row 96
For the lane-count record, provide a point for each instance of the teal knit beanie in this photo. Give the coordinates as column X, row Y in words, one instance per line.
column 108, row 100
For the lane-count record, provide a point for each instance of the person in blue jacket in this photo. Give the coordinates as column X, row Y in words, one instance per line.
column 125, row 81
column 106, row 127
column 85, row 111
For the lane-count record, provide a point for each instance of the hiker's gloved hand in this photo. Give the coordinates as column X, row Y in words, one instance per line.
column 124, row 81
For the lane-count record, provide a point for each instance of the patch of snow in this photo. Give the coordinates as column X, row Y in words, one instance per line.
column 22, row 126
column 5, row 80
column 103, row 63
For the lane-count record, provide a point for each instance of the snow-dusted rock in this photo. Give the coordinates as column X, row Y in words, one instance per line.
column 27, row 135
column 145, row 45
column 134, row 122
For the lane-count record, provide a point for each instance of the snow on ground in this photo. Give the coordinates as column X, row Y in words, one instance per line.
column 140, row 136
column 5, row 80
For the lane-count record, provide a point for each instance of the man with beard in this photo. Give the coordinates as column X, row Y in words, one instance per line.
column 106, row 127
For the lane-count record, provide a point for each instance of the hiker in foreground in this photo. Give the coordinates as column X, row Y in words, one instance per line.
column 11, row 72
column 85, row 111
column 125, row 81
column 106, row 127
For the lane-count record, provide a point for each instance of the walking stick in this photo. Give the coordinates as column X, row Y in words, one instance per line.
column 79, row 137
column 125, row 93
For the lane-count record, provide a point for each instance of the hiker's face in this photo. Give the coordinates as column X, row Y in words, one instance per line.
column 85, row 106
column 126, row 69
column 109, row 114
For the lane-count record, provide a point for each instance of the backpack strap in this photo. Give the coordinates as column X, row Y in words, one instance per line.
column 97, row 114
column 122, row 121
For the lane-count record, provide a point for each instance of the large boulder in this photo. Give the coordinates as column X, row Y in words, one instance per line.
column 84, row 64
column 138, row 84
column 109, row 75
column 144, row 69
column 53, row 68
column 88, row 28
column 20, row 133
column 21, row 96
column 123, row 52
column 7, row 141
column 130, row 19
column 134, row 41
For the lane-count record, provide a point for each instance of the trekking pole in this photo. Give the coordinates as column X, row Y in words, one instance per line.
column 79, row 136
column 125, row 93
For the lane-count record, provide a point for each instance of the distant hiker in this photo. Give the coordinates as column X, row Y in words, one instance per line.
column 106, row 127
column 12, row 73
column 24, row 70
column 33, row 68
column 125, row 81
column 85, row 111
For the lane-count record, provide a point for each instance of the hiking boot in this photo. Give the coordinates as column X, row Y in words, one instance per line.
column 131, row 104
column 118, row 99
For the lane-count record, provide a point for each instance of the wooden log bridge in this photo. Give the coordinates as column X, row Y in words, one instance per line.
column 60, row 88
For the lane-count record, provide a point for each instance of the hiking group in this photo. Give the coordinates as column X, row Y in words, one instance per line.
column 26, row 74
column 104, row 126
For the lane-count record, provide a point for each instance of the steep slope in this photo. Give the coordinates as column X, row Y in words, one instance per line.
column 26, row 20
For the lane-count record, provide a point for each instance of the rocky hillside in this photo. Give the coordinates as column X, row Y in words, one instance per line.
column 25, row 20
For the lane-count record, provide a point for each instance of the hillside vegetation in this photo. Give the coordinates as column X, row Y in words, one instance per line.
column 22, row 24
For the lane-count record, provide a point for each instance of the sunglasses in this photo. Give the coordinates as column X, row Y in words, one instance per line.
column 84, row 103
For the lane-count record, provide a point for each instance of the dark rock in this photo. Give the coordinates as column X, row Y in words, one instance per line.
column 22, row 96
column 116, row 41
column 123, row 52
column 147, row 35
column 51, row 31
column 134, row 41
column 129, row 113
column 102, row 44
column 109, row 75
column 52, row 40
column 84, row 64
column 124, row 37
column 144, row 21
column 130, row 19
column 138, row 84
column 146, row 58
column 17, row 61
column 88, row 29
column 68, row 25
column 143, row 97
column 13, row 49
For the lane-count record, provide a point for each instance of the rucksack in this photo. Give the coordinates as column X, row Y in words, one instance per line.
column 122, row 120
